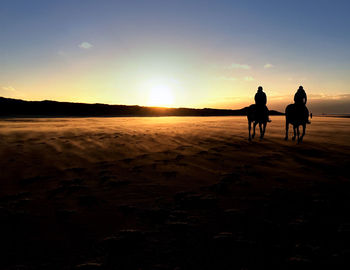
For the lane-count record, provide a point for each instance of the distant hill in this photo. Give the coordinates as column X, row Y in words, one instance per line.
column 21, row 108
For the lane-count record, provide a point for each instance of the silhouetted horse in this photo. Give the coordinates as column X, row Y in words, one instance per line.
column 296, row 117
column 256, row 116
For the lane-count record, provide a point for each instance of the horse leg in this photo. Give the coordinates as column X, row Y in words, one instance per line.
column 287, row 127
column 254, row 125
column 261, row 131
column 295, row 132
column 249, row 128
column 264, row 129
column 302, row 135
column 298, row 133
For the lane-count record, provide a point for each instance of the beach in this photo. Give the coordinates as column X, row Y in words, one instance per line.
column 172, row 193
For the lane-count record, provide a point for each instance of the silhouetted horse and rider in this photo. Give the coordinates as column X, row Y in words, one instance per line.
column 297, row 114
column 258, row 113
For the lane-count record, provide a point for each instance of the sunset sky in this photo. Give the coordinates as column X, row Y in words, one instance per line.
column 176, row 53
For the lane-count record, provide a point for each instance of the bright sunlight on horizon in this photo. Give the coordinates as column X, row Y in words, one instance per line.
column 161, row 95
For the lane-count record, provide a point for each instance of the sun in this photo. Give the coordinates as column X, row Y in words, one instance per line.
column 160, row 95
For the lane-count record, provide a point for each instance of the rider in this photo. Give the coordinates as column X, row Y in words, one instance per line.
column 260, row 102
column 300, row 99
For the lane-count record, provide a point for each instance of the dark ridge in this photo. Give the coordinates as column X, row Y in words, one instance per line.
column 16, row 107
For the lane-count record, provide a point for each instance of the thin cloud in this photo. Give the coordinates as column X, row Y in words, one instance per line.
column 248, row 78
column 225, row 78
column 323, row 96
column 268, row 65
column 317, row 103
column 10, row 91
column 85, row 45
column 239, row 66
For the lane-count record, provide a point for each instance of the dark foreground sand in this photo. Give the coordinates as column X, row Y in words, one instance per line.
column 172, row 193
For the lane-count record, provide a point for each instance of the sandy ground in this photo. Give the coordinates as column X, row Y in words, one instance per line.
column 172, row 193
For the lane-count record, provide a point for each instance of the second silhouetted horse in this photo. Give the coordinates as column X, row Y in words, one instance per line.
column 296, row 117
column 256, row 116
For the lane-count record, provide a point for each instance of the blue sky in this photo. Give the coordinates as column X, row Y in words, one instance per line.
column 102, row 51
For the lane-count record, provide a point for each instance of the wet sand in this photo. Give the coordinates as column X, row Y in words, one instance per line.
column 172, row 193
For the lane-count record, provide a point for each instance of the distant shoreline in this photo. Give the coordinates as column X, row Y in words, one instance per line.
column 108, row 116
column 334, row 115
column 17, row 108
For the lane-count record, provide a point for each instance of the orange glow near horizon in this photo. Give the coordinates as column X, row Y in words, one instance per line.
column 171, row 79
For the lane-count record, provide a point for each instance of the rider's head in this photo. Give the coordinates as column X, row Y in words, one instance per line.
column 260, row 89
column 301, row 88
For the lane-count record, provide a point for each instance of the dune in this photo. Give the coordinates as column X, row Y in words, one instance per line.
column 172, row 193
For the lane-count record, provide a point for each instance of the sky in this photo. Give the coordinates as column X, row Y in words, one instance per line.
column 176, row 53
